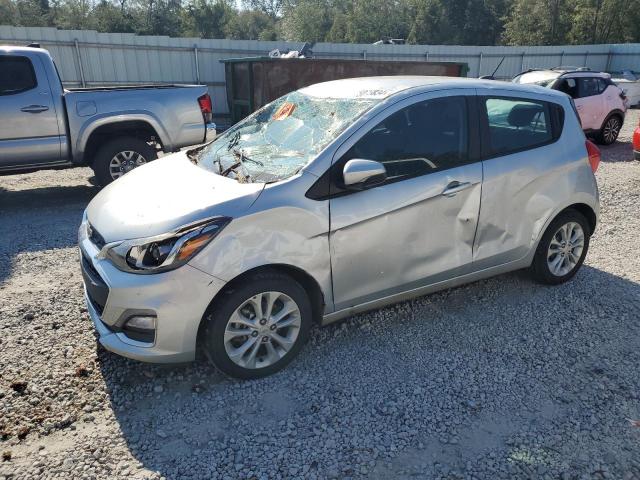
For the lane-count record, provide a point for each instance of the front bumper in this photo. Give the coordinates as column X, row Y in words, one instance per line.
column 210, row 132
column 178, row 298
column 636, row 155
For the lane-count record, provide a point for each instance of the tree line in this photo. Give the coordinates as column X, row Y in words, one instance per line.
column 447, row 22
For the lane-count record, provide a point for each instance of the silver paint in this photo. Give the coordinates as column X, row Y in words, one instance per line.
column 35, row 132
column 363, row 250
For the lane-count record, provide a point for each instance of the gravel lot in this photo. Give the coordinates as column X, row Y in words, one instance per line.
column 502, row 378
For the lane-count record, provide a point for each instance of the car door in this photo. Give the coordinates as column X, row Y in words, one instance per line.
column 611, row 98
column 29, row 133
column 418, row 226
column 589, row 103
column 522, row 167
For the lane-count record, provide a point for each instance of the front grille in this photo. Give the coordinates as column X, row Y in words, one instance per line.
column 97, row 289
column 95, row 237
column 98, row 308
column 86, row 263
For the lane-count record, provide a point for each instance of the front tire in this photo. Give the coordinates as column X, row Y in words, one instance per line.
column 562, row 249
column 257, row 328
column 119, row 156
column 610, row 130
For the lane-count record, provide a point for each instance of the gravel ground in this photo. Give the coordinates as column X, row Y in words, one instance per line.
column 502, row 378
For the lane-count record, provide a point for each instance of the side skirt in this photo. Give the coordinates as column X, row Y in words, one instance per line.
column 418, row 292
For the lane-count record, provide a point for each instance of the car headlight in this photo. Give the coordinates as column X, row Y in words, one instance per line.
column 164, row 252
column 83, row 234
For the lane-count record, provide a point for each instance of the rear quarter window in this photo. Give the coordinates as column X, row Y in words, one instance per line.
column 16, row 75
column 515, row 125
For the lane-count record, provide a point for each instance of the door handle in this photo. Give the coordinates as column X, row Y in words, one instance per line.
column 455, row 187
column 579, row 107
column 34, row 108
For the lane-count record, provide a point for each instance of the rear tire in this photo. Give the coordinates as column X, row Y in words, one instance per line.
column 610, row 130
column 119, row 156
column 257, row 343
column 562, row 249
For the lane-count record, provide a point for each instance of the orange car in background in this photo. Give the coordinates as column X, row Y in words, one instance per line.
column 636, row 143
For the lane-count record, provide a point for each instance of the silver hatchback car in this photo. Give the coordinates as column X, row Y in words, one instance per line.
column 335, row 199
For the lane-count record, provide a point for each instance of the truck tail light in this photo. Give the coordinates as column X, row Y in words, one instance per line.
column 205, row 107
column 594, row 155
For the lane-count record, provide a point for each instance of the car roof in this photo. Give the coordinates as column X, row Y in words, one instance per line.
column 11, row 49
column 384, row 87
column 565, row 72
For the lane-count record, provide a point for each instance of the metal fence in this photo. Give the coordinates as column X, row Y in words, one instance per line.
column 89, row 58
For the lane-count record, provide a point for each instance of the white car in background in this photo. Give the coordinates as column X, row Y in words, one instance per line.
column 600, row 103
column 630, row 84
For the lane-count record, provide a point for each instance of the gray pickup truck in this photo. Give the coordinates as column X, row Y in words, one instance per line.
column 110, row 129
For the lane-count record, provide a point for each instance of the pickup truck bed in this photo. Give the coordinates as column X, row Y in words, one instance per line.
column 111, row 129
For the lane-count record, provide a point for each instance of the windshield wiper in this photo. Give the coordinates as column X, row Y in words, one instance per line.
column 239, row 154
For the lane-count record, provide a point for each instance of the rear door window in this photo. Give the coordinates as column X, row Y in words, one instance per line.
column 602, row 85
column 588, row 87
column 520, row 124
column 16, row 75
column 423, row 138
column 568, row 86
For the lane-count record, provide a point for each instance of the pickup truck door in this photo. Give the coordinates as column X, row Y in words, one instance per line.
column 29, row 131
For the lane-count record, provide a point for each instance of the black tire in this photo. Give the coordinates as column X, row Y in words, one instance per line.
column 540, row 267
column 610, row 130
column 220, row 311
column 111, row 148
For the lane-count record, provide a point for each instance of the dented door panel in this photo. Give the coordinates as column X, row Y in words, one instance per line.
column 403, row 235
column 520, row 193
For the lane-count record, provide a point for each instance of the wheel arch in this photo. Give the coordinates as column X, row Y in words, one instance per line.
column 310, row 285
column 96, row 132
column 585, row 210
column 104, row 133
column 616, row 112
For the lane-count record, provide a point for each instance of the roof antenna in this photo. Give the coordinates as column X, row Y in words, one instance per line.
column 492, row 76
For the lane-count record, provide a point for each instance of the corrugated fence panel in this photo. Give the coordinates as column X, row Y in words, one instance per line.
column 86, row 57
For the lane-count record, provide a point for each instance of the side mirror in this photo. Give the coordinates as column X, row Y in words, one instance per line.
column 359, row 174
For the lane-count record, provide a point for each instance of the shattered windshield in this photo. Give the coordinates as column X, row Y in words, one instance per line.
column 280, row 138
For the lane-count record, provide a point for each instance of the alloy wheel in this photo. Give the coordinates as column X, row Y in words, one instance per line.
column 262, row 330
column 611, row 130
column 565, row 249
column 125, row 161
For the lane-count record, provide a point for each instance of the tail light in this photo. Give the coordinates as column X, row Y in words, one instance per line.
column 594, row 155
column 205, row 107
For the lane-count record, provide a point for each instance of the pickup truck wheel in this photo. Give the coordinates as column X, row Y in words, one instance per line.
column 119, row 156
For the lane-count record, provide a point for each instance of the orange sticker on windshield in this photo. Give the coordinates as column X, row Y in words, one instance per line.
column 284, row 111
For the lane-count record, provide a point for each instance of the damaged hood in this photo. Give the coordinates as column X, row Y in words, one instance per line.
column 163, row 195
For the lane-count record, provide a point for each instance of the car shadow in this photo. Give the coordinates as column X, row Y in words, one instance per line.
column 40, row 219
column 619, row 151
column 191, row 414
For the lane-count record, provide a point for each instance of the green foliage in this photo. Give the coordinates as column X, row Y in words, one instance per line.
column 251, row 25
column 461, row 22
